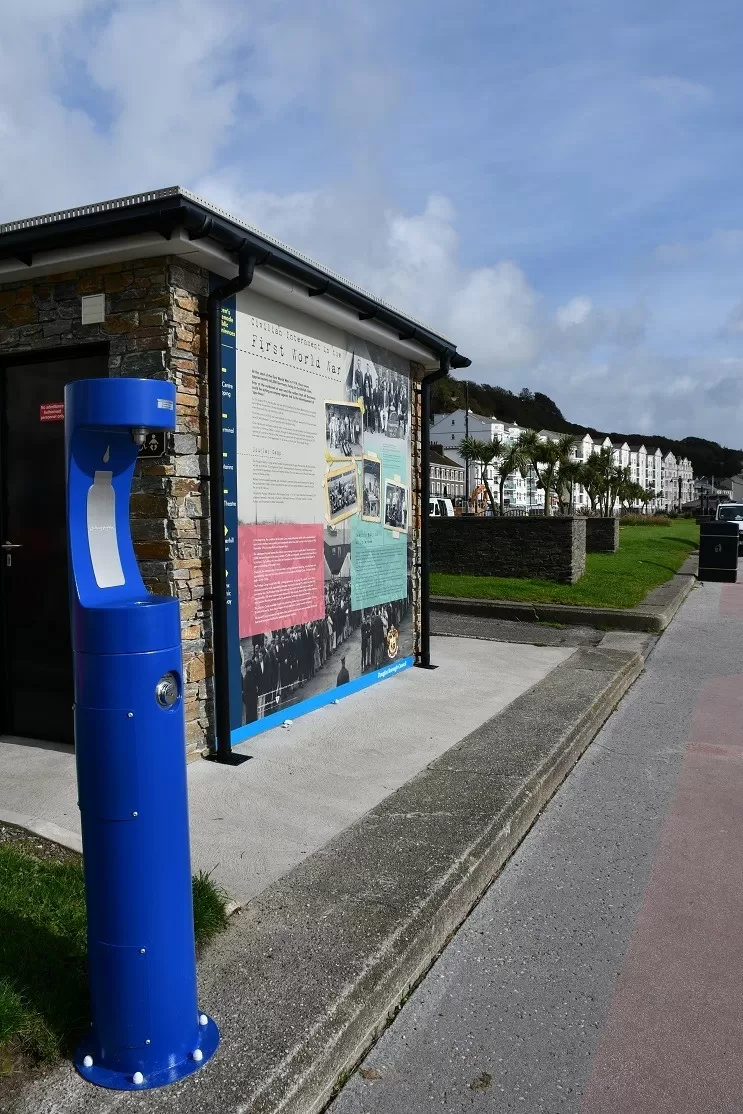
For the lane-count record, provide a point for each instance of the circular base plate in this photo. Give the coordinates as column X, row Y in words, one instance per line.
column 124, row 1081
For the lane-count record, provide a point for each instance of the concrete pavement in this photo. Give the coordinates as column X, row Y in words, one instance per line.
column 603, row 970
column 252, row 823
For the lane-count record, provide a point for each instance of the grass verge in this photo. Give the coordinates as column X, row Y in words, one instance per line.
column 647, row 556
column 43, row 977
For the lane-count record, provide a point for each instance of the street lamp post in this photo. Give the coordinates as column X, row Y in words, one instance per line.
column 467, row 433
column 466, row 508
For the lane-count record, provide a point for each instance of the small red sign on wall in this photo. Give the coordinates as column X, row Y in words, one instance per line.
column 51, row 412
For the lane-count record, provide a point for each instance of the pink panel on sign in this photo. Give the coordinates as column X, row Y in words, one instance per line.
column 281, row 578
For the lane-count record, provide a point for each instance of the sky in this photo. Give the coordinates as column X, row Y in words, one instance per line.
column 555, row 186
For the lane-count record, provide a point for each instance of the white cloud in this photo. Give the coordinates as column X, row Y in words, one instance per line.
column 677, row 90
column 646, row 392
column 734, row 325
column 722, row 244
column 574, row 313
column 672, row 255
column 411, row 260
column 290, row 114
column 103, row 97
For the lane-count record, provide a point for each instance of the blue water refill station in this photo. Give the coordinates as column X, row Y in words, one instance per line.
column 131, row 765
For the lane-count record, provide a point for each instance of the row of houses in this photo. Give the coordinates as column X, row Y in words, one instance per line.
column 670, row 480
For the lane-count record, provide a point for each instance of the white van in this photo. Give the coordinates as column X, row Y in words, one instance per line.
column 440, row 508
column 732, row 512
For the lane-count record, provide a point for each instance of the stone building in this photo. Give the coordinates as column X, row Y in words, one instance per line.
column 447, row 476
column 122, row 288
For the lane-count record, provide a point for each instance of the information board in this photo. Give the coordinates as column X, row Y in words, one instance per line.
column 317, row 482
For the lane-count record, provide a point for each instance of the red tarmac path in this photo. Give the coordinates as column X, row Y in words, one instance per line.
column 673, row 1040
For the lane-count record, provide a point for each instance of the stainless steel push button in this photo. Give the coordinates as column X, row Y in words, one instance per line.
column 166, row 690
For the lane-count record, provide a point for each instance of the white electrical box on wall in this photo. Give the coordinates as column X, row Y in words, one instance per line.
column 94, row 309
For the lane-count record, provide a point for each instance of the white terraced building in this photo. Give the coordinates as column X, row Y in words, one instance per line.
column 671, row 480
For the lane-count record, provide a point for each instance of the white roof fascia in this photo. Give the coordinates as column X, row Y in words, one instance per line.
column 207, row 254
column 144, row 246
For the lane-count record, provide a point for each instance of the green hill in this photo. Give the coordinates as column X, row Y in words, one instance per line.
column 534, row 410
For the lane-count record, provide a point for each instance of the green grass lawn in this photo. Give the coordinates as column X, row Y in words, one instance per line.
column 43, row 980
column 647, row 557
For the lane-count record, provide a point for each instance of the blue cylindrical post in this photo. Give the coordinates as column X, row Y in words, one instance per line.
column 146, row 1028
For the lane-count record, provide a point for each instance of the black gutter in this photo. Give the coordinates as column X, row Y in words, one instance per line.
column 233, row 238
column 220, row 634
column 424, row 658
column 166, row 214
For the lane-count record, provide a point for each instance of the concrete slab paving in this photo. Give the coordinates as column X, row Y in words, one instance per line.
column 38, row 780
column 253, row 823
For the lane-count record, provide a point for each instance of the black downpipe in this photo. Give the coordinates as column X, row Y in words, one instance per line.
column 425, row 655
column 220, row 641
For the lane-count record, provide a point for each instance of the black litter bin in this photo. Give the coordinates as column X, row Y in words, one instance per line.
column 718, row 551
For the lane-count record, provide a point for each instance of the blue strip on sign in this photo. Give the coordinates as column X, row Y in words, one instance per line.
column 229, row 486
column 291, row 711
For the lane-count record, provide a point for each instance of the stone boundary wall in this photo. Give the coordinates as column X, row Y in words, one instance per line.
column 602, row 535
column 155, row 327
column 543, row 548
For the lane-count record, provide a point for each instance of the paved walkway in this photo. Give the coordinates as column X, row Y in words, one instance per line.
column 252, row 823
column 603, row 970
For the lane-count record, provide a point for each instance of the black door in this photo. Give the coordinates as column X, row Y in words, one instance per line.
column 37, row 690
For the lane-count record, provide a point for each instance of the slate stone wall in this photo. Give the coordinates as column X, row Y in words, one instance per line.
column 602, row 535
column 543, row 548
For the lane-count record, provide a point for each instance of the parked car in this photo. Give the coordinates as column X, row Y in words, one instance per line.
column 732, row 512
column 440, row 508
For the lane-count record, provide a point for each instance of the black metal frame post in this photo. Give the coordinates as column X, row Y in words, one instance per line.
column 220, row 638
column 424, row 661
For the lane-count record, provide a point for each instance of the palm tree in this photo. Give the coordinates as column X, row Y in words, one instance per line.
column 570, row 474
column 551, row 455
column 591, row 480
column 482, row 453
column 566, row 467
column 630, row 493
column 514, row 459
column 597, row 477
column 531, row 445
column 619, row 479
column 551, row 460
